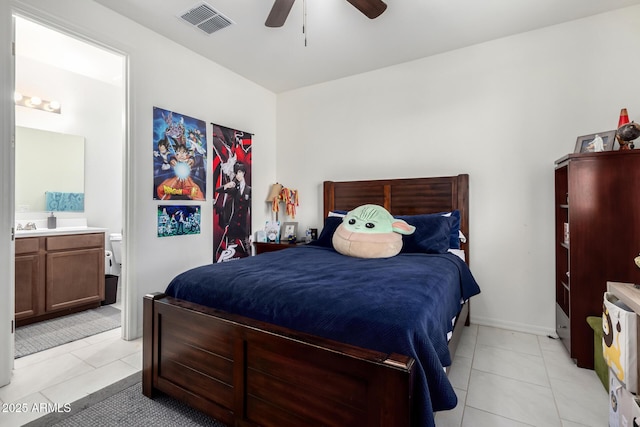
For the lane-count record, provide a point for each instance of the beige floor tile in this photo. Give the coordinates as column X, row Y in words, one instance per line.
column 134, row 360
column 49, row 353
column 477, row 418
column 107, row 351
column 460, row 371
column 511, row 364
column 584, row 402
column 83, row 385
column 509, row 340
column 512, row 399
column 115, row 333
column 452, row 418
column 36, row 377
column 25, row 410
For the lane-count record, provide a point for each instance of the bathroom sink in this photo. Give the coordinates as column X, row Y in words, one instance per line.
column 59, row 230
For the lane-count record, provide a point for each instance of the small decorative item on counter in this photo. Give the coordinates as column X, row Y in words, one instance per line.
column 637, row 261
column 51, row 221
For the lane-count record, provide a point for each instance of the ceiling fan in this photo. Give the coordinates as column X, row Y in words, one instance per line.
column 280, row 10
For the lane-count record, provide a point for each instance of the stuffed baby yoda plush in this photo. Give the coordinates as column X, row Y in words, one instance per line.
column 369, row 231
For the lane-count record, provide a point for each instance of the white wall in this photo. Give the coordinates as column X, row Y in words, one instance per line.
column 502, row 112
column 166, row 75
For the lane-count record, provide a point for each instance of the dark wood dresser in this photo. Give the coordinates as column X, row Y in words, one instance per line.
column 597, row 237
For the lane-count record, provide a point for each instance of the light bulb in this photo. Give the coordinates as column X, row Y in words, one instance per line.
column 54, row 105
column 17, row 96
column 35, row 100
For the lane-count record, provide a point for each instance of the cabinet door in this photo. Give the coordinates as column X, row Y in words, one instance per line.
column 74, row 278
column 29, row 286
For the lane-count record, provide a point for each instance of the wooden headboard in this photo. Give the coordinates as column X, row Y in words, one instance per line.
column 407, row 196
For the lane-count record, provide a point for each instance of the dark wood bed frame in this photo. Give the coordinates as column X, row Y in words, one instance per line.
column 243, row 372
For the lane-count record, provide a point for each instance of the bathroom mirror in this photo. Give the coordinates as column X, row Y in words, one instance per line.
column 49, row 162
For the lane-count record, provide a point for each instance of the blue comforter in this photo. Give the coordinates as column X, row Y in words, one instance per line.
column 404, row 304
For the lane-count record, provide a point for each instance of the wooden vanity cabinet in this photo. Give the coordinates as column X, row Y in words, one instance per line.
column 29, row 274
column 75, row 271
column 58, row 275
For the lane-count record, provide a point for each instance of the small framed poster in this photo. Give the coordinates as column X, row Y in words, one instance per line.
column 272, row 231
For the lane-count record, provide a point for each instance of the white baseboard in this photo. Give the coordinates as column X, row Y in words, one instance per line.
column 513, row 326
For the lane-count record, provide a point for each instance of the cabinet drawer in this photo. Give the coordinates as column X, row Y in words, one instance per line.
column 27, row 245
column 75, row 241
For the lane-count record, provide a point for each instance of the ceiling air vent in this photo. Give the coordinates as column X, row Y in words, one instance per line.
column 206, row 18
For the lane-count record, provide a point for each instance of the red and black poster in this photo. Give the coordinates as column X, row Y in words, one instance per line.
column 232, row 193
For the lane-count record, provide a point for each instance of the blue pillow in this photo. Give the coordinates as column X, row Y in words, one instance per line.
column 454, row 221
column 432, row 234
column 454, row 237
column 331, row 223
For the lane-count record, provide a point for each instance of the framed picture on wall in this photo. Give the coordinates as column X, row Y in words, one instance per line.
column 602, row 141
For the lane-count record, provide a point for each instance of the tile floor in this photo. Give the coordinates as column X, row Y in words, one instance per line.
column 67, row 373
column 505, row 378
column 502, row 378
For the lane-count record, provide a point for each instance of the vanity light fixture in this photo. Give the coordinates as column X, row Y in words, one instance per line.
column 37, row 103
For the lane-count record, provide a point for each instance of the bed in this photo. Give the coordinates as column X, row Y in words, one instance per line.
column 239, row 349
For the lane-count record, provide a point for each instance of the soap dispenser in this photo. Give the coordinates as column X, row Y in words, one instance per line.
column 51, row 221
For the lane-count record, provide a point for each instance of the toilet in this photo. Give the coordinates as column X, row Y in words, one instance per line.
column 116, row 247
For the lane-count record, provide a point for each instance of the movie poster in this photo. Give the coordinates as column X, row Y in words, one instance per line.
column 231, row 166
column 179, row 156
column 174, row 220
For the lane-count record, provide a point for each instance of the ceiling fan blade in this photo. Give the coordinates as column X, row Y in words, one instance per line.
column 279, row 13
column 371, row 8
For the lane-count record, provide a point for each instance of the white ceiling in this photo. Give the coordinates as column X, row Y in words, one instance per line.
column 340, row 41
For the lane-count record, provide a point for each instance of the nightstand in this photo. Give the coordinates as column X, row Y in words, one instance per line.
column 263, row 247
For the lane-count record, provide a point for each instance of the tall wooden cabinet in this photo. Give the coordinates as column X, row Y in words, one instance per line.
column 597, row 236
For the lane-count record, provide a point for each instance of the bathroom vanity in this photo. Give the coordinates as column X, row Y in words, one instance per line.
column 58, row 272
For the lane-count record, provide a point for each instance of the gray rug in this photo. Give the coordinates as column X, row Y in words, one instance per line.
column 131, row 408
column 52, row 333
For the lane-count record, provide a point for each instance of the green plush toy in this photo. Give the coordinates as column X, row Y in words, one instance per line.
column 369, row 231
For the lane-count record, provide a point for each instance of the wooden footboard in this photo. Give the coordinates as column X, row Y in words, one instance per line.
column 244, row 373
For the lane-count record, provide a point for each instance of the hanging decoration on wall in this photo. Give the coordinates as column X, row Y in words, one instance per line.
column 179, row 156
column 290, row 198
column 174, row 220
column 231, row 166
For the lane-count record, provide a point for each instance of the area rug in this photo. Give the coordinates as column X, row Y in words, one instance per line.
column 131, row 408
column 52, row 333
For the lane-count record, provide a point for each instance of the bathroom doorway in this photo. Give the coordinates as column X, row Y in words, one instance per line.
column 67, row 86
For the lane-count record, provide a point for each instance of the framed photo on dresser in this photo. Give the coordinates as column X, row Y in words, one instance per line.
column 289, row 231
column 596, row 142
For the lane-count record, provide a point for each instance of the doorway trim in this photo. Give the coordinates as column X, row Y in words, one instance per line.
column 128, row 294
column 7, row 187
